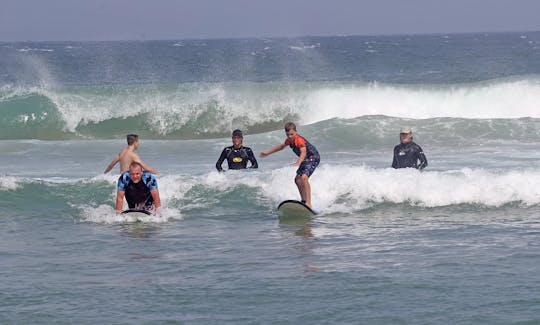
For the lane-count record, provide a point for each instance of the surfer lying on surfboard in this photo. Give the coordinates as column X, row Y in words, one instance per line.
column 308, row 160
column 140, row 189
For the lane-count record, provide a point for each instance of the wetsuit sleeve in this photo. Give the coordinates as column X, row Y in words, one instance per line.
column 123, row 180
column 251, row 158
column 150, row 181
column 422, row 158
column 300, row 142
column 221, row 159
column 395, row 163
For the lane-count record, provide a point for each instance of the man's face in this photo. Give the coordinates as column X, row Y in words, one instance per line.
column 405, row 137
column 237, row 141
column 291, row 135
column 135, row 173
column 136, row 144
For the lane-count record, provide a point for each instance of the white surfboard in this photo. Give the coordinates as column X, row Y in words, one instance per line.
column 136, row 214
column 291, row 209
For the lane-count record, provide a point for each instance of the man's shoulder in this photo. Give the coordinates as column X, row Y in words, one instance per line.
column 123, row 180
column 147, row 174
column 128, row 156
column 149, row 179
column 125, row 176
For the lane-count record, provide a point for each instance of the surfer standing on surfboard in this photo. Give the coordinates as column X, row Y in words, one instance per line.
column 140, row 189
column 308, row 159
column 128, row 155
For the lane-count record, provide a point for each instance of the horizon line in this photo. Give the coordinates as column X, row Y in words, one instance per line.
column 270, row 37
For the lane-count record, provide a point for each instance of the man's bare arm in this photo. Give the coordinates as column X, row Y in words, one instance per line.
column 115, row 161
column 112, row 164
column 157, row 200
column 136, row 158
column 271, row 151
column 303, row 153
column 120, row 200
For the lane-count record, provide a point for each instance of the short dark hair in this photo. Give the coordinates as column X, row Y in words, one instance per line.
column 237, row 133
column 290, row 126
column 131, row 138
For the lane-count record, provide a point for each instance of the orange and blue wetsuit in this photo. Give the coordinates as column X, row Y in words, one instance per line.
column 307, row 167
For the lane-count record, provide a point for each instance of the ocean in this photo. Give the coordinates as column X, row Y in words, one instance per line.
column 456, row 243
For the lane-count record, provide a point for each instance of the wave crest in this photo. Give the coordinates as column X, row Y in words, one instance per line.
column 202, row 110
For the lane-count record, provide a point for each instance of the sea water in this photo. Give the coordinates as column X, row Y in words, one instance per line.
column 456, row 243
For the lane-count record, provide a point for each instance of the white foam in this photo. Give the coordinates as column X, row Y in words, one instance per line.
column 335, row 188
column 511, row 99
column 9, row 183
column 221, row 107
column 107, row 214
column 347, row 189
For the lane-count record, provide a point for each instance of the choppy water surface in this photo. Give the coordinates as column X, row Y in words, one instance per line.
column 455, row 243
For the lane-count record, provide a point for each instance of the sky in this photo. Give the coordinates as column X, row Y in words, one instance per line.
column 85, row 20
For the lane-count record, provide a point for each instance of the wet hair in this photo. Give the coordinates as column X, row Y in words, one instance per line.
column 290, row 126
column 237, row 133
column 131, row 138
column 135, row 164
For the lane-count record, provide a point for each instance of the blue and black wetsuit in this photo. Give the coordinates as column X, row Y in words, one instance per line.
column 237, row 158
column 138, row 195
column 409, row 155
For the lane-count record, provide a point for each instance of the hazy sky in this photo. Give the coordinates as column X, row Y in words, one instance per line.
column 178, row 19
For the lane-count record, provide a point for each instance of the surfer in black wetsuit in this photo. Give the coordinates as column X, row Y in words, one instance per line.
column 407, row 153
column 139, row 188
column 237, row 155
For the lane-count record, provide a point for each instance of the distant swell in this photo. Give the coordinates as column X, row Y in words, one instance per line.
column 205, row 110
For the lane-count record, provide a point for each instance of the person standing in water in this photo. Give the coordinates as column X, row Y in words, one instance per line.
column 237, row 155
column 128, row 156
column 408, row 154
column 308, row 160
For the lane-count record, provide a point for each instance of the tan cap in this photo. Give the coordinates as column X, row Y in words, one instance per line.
column 406, row 129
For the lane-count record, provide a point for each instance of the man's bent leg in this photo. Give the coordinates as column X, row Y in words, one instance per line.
column 307, row 189
column 300, row 184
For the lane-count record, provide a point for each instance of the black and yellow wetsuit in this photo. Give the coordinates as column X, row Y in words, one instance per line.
column 237, row 158
column 409, row 155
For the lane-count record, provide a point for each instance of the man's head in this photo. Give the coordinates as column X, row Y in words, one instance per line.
column 290, row 130
column 237, row 138
column 132, row 139
column 135, row 172
column 405, row 135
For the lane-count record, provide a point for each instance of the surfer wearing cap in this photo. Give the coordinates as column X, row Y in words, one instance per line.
column 128, row 155
column 237, row 155
column 408, row 154
column 308, row 160
column 140, row 189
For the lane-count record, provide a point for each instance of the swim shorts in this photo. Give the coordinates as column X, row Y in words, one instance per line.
column 307, row 167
